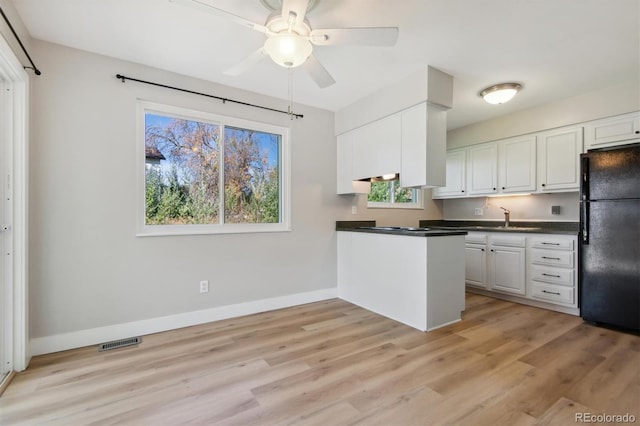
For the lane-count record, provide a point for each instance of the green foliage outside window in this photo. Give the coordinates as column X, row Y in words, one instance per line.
column 390, row 192
column 184, row 187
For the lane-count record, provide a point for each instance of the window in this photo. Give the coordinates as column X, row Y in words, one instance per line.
column 205, row 173
column 389, row 194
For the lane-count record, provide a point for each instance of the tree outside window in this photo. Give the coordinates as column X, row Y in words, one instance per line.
column 391, row 194
column 204, row 172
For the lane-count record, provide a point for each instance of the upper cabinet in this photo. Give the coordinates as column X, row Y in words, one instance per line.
column 482, row 169
column 376, row 148
column 559, row 155
column 517, row 165
column 620, row 129
column 456, row 173
column 411, row 142
column 399, row 129
column 345, row 182
column 423, row 146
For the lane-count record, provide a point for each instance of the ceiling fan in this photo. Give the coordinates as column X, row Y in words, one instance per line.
column 290, row 38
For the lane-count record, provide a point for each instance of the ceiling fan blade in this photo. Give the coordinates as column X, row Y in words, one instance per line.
column 247, row 63
column 318, row 73
column 366, row 36
column 206, row 7
column 299, row 7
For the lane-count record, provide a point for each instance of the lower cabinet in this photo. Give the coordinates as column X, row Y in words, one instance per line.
column 507, row 265
column 537, row 269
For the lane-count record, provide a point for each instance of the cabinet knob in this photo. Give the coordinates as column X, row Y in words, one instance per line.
column 495, row 189
column 503, row 187
column 463, row 190
column 637, row 132
column 492, row 250
column 543, row 184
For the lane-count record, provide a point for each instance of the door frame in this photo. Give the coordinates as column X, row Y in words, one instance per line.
column 15, row 149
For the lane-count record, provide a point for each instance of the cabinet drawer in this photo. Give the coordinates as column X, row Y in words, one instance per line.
column 552, row 293
column 475, row 238
column 552, row 243
column 552, row 257
column 552, row 275
column 505, row 241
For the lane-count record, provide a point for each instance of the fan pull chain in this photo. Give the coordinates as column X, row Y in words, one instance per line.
column 290, row 93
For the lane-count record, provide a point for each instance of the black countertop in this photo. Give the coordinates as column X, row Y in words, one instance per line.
column 371, row 228
column 567, row 228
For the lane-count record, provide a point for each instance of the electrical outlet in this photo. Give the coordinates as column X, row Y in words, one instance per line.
column 478, row 211
column 204, row 286
column 354, row 209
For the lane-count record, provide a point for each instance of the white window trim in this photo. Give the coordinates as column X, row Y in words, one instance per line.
column 418, row 204
column 144, row 230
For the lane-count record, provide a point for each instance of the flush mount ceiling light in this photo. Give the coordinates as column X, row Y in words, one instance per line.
column 500, row 93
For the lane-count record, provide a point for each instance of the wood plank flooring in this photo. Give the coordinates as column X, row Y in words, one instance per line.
column 332, row 363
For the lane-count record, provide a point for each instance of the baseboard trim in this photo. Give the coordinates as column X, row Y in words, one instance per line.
column 94, row 336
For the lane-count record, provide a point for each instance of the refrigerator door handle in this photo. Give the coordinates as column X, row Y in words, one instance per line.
column 584, row 184
column 585, row 222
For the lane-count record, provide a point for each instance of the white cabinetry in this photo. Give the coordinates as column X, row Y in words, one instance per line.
column 476, row 260
column 456, row 172
column 535, row 269
column 345, row 182
column 424, row 142
column 517, row 164
column 482, row 169
column 507, row 264
column 376, row 148
column 620, row 129
column 558, row 159
column 552, row 273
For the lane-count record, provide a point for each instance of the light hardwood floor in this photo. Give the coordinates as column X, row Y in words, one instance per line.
column 332, row 363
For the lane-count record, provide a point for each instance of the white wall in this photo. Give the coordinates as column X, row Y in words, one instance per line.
column 88, row 269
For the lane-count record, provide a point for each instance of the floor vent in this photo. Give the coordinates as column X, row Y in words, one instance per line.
column 131, row 341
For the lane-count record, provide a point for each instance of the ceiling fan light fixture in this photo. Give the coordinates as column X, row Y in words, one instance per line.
column 287, row 49
column 500, row 93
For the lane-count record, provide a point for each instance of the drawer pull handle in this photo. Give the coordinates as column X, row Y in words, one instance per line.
column 551, row 258
column 551, row 292
column 550, row 275
column 551, row 244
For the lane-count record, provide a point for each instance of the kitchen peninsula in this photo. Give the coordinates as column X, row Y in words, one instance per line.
column 412, row 275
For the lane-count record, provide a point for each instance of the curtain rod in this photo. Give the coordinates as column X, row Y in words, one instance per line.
column 33, row 66
column 224, row 100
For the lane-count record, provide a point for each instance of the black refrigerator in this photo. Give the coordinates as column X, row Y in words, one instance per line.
column 610, row 237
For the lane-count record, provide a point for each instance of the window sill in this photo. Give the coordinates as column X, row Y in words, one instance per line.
column 407, row 206
column 185, row 230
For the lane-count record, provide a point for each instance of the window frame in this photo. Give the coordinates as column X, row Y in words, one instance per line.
column 418, row 204
column 144, row 230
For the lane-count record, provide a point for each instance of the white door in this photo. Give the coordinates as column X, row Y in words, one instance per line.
column 6, row 348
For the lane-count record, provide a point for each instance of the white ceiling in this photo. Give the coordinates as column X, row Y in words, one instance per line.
column 555, row 48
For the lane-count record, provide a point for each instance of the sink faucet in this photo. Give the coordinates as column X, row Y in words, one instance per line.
column 506, row 217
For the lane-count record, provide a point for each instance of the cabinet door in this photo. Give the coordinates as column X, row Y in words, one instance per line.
column 559, row 159
column 377, row 148
column 424, row 146
column 476, row 265
column 508, row 269
column 344, row 166
column 456, row 167
column 482, row 171
column 612, row 131
column 517, row 164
